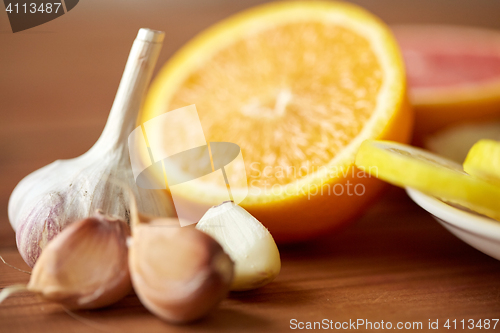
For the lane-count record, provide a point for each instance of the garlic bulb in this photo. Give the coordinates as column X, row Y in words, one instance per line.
column 178, row 273
column 85, row 266
column 45, row 201
column 248, row 243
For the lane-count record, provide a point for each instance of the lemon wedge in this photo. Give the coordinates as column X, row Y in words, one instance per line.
column 483, row 161
column 404, row 165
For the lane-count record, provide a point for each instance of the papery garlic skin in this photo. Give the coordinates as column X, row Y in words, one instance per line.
column 49, row 199
column 86, row 265
column 248, row 243
column 179, row 273
column 62, row 192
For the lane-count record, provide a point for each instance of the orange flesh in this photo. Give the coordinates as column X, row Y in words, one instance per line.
column 292, row 101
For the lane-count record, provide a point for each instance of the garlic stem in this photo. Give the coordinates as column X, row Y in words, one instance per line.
column 133, row 85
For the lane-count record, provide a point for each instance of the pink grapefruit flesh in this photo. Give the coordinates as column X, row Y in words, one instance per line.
column 453, row 74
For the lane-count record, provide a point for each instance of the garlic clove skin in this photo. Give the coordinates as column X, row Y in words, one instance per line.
column 86, row 265
column 248, row 243
column 178, row 273
column 49, row 199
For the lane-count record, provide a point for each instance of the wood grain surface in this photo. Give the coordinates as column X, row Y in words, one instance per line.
column 57, row 83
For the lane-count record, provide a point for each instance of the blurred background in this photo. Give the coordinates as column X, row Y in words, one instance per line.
column 400, row 266
column 70, row 68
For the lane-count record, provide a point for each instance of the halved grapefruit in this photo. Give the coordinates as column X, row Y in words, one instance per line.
column 453, row 74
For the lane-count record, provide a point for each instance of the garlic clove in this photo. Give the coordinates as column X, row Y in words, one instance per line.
column 86, row 265
column 178, row 273
column 248, row 243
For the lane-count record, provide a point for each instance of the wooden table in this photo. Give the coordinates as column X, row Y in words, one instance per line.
column 57, row 83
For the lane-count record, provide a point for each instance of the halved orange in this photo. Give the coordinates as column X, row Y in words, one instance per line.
column 453, row 74
column 298, row 86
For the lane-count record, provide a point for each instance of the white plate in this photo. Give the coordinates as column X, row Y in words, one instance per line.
column 476, row 230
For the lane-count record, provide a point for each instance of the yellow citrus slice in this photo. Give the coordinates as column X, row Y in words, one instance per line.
column 404, row 165
column 483, row 161
column 298, row 86
column 453, row 74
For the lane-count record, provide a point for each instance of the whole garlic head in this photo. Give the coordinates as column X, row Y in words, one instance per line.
column 248, row 243
column 65, row 191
